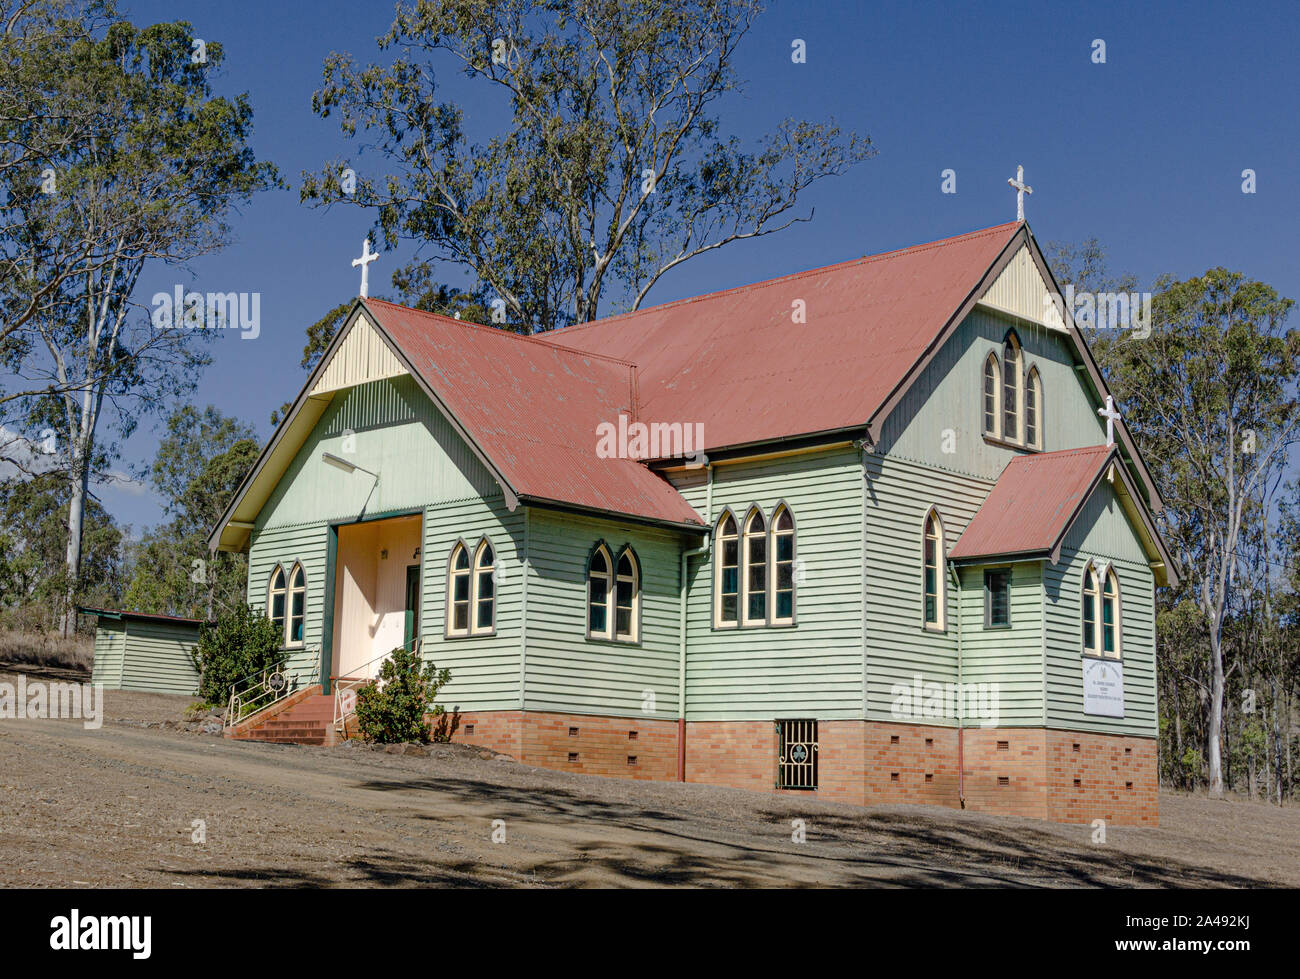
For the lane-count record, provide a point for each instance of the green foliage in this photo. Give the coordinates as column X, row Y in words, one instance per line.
column 395, row 708
column 242, row 642
column 558, row 210
column 200, row 462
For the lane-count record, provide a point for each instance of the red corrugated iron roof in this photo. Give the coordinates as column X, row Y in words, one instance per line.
column 1031, row 506
column 533, row 409
column 738, row 363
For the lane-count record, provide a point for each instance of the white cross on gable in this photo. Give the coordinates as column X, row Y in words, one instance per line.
column 367, row 256
column 1112, row 416
column 1021, row 188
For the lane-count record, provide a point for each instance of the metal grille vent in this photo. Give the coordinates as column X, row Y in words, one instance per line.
column 796, row 754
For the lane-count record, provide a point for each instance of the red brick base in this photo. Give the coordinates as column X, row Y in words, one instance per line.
column 1013, row 771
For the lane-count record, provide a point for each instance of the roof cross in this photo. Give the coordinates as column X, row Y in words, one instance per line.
column 367, row 256
column 1112, row 416
column 1022, row 188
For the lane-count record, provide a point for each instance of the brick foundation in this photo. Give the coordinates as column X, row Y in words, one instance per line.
column 1029, row 772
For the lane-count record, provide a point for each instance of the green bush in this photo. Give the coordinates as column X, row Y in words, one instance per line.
column 242, row 642
column 394, row 709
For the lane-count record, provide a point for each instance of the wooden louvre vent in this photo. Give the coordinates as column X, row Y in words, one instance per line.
column 796, row 754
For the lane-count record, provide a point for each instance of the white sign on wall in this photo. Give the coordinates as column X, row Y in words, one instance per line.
column 1103, row 687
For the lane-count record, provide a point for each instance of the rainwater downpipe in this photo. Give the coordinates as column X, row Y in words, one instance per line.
column 700, row 551
column 961, row 697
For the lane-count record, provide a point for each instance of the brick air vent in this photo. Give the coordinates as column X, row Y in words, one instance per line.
column 1076, row 747
column 573, row 732
column 573, row 756
column 893, row 776
column 1128, row 785
column 1004, row 746
column 929, row 776
column 893, row 739
column 631, row 735
column 929, row 742
column 631, row 759
column 1004, row 780
column 469, row 728
column 1078, row 783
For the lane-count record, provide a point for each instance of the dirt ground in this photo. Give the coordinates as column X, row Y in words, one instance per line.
column 116, row 807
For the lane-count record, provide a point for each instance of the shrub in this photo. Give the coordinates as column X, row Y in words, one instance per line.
column 393, row 710
column 242, row 642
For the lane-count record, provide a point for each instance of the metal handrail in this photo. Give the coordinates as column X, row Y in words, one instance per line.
column 265, row 688
column 345, row 698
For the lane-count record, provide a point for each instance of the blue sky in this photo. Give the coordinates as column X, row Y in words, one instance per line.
column 1145, row 152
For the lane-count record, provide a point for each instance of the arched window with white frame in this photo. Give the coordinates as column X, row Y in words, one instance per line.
column 934, row 585
column 754, row 549
column 1033, row 409
column 992, row 394
column 297, row 606
column 485, row 600
column 627, row 597
column 600, row 572
column 783, row 556
column 1102, row 626
column 277, row 598
column 726, row 580
column 459, row 590
column 1011, row 388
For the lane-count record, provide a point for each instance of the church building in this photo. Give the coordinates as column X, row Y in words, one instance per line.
column 873, row 533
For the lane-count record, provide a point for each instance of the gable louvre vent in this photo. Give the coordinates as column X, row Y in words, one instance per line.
column 796, row 754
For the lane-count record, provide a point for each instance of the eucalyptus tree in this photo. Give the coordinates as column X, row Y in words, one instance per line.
column 155, row 182
column 1210, row 395
column 612, row 170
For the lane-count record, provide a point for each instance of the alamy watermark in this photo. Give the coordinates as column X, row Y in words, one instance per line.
column 1105, row 310
column 652, row 440
column 240, row 311
column 920, row 700
column 41, row 701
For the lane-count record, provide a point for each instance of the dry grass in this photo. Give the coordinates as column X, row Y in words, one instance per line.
column 48, row 649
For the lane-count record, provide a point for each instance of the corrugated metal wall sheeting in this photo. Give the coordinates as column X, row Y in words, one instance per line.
column 815, row 667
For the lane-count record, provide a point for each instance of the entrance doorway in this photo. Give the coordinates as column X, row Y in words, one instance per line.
column 376, row 592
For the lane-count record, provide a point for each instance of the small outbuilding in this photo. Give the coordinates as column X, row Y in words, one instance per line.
column 149, row 653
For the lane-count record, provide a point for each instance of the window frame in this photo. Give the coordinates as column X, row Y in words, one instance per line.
column 988, row 597
column 449, row 618
column 1015, row 366
column 996, row 431
column 719, row 569
column 633, row 635
column 747, row 538
column 1033, row 383
column 282, row 623
column 297, row 571
column 613, row 559
column 940, row 624
column 475, row 598
column 773, row 619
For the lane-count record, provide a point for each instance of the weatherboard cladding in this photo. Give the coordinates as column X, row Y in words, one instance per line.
column 158, row 657
column 810, row 669
column 1010, row 657
column 110, row 650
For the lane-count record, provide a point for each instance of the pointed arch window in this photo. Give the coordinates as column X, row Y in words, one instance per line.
column 754, row 592
column 783, row 544
column 1101, row 612
column 297, row 605
column 627, row 597
column 992, row 391
column 277, row 598
column 485, row 600
column 932, row 570
column 599, row 573
column 1011, row 388
column 459, row 589
column 1033, row 409
column 726, row 583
